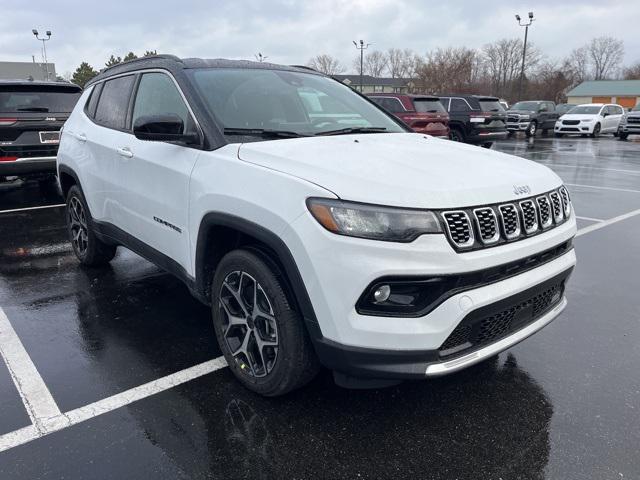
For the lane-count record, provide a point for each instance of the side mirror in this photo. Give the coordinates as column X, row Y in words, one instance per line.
column 163, row 128
column 543, row 109
column 604, row 114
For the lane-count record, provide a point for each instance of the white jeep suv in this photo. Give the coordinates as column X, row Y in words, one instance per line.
column 318, row 228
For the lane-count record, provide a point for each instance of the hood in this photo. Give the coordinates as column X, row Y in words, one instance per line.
column 579, row 116
column 522, row 112
column 402, row 169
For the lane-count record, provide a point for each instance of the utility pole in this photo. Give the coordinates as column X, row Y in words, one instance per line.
column 44, row 49
column 524, row 49
column 261, row 58
column 362, row 47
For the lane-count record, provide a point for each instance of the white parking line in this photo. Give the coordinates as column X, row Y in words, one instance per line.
column 41, row 407
column 605, row 223
column 73, row 417
column 590, row 219
column 604, row 188
column 589, row 167
column 33, row 208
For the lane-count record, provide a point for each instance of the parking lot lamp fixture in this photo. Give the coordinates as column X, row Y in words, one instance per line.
column 362, row 47
column 260, row 58
column 524, row 48
column 44, row 49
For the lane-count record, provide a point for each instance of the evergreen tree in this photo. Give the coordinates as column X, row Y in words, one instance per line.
column 83, row 74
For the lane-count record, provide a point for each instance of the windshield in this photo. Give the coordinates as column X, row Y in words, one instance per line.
column 284, row 101
column 585, row 110
column 428, row 105
column 32, row 98
column 491, row 106
column 563, row 108
column 530, row 106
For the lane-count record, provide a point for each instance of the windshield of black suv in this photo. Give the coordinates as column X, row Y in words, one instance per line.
column 428, row 105
column 489, row 105
column 585, row 110
column 279, row 103
column 37, row 98
column 528, row 106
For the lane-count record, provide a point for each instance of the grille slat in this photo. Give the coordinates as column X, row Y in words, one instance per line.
column 459, row 227
column 510, row 221
column 544, row 209
column 566, row 201
column 487, row 224
column 529, row 216
column 556, row 207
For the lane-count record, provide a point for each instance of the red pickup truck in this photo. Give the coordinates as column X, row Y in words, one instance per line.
column 422, row 113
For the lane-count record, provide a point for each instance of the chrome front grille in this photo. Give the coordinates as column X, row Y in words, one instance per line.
column 489, row 225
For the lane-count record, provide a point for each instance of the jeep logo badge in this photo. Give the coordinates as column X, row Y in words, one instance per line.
column 521, row 189
column 50, row 119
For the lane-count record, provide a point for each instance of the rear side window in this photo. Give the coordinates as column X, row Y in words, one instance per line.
column 93, row 100
column 114, row 102
column 490, row 106
column 459, row 105
column 38, row 98
column 428, row 105
column 390, row 104
column 158, row 95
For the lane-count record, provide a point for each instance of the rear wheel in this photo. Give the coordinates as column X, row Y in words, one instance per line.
column 456, row 135
column 487, row 144
column 90, row 250
column 623, row 136
column 531, row 129
column 260, row 332
column 596, row 131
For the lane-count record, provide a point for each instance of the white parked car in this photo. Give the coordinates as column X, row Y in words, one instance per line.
column 318, row 228
column 590, row 119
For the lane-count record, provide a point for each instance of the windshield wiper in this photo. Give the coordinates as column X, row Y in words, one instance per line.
column 33, row 109
column 264, row 132
column 348, row 130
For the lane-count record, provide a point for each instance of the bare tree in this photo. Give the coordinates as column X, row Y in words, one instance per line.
column 401, row 63
column 326, row 64
column 632, row 72
column 447, row 70
column 502, row 64
column 576, row 65
column 374, row 64
column 606, row 54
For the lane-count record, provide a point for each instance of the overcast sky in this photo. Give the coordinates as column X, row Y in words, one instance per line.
column 292, row 31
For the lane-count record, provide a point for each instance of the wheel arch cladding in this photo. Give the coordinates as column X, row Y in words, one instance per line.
column 220, row 233
column 67, row 178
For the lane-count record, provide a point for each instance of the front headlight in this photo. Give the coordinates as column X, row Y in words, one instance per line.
column 623, row 120
column 374, row 222
column 587, row 120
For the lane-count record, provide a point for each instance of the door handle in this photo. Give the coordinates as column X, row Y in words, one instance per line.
column 125, row 152
column 81, row 137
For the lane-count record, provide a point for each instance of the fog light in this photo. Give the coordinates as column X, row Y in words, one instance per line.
column 382, row 293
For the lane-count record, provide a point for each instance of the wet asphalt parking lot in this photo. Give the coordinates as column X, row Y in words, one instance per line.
column 123, row 377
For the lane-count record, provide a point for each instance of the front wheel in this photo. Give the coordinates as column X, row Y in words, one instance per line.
column 531, row 129
column 89, row 249
column 623, row 136
column 259, row 330
column 456, row 135
column 596, row 131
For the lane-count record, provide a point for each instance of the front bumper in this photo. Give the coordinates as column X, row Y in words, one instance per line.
column 581, row 128
column 518, row 126
column 488, row 136
column 630, row 129
column 401, row 364
column 28, row 166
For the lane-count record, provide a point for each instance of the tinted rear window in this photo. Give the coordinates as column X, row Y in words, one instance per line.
column 428, row 105
column 34, row 98
column 114, row 102
column 491, row 106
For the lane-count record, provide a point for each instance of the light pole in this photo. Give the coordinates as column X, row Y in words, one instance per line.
column 362, row 47
column 44, row 48
column 261, row 58
column 524, row 49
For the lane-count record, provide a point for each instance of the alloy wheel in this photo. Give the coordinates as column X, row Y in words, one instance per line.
column 248, row 324
column 78, row 226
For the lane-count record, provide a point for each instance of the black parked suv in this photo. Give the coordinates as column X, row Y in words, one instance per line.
column 31, row 115
column 475, row 119
column 531, row 116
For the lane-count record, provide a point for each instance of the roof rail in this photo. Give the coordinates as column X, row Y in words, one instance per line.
column 306, row 67
column 165, row 56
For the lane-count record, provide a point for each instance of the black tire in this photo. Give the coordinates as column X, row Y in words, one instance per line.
column 531, row 129
column 263, row 369
column 623, row 136
column 559, row 135
column 456, row 135
column 89, row 250
column 487, row 144
column 616, row 133
column 510, row 133
column 596, row 131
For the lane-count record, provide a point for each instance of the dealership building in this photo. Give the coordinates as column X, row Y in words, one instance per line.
column 622, row 92
column 27, row 71
column 372, row 84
